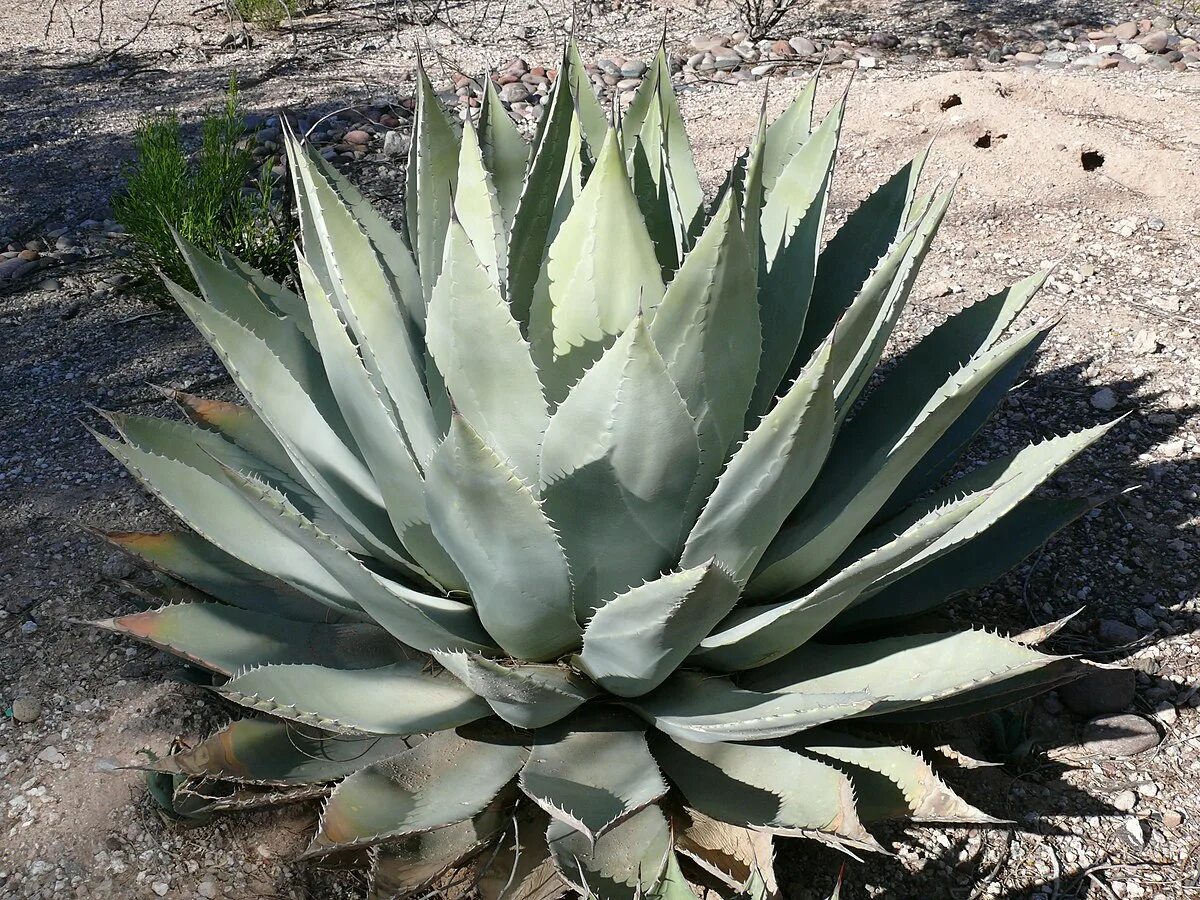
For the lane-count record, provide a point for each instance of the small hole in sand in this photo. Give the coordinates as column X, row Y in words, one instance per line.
column 984, row 141
column 1091, row 160
column 950, row 102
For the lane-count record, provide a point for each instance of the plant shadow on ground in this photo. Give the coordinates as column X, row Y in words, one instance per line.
column 1032, row 792
column 973, row 14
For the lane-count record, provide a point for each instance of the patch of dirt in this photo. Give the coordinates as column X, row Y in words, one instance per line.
column 1125, row 237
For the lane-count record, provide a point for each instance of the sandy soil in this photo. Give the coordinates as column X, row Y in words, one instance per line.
column 1126, row 236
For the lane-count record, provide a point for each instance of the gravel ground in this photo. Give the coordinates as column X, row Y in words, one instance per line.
column 1088, row 821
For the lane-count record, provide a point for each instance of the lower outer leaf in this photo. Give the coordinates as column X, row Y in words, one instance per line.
column 205, row 566
column 400, row 868
column 271, row 752
column 767, row 787
column 520, row 866
column 627, row 863
column 889, row 780
column 401, row 698
column 443, row 780
column 729, row 852
column 593, row 773
column 225, row 639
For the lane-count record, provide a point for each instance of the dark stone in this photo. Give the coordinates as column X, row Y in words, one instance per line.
column 1100, row 691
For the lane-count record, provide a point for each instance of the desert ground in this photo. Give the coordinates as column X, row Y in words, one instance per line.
column 1092, row 168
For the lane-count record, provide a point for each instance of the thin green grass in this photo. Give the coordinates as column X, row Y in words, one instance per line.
column 265, row 13
column 215, row 200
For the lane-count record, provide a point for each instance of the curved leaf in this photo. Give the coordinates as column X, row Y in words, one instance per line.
column 443, row 780
column 210, row 569
column 636, row 640
column 765, row 787
column 225, row 639
column 271, row 752
column 869, row 459
column 484, row 360
column 767, row 476
column 592, row 772
column 618, row 464
column 403, row 698
column 901, row 672
column 495, row 530
column 695, row 706
column 527, row 696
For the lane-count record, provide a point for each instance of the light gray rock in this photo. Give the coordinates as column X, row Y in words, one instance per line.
column 803, row 46
column 26, row 709
column 514, row 93
column 1155, row 42
column 1104, row 399
column 1119, row 735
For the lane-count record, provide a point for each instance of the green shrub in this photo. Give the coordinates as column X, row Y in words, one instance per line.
column 215, row 200
column 265, row 13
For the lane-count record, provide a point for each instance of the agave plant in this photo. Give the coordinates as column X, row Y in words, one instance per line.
column 555, row 540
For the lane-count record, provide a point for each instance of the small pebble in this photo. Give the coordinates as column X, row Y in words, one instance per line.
column 26, row 709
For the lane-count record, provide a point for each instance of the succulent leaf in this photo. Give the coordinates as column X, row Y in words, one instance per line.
column 225, row 639
column 443, row 780
column 627, row 863
column 494, row 528
column 587, row 104
column 768, row 475
column 487, row 368
column 533, row 224
column 402, row 698
column 477, row 210
column 709, row 314
column 869, row 459
column 592, row 772
column 755, row 635
column 889, row 780
column 769, row 788
column 269, row 752
column 637, row 639
column 238, row 424
column 527, row 696
column 366, row 298
column 430, row 181
column 790, row 224
column 846, row 263
column 588, row 304
column 934, row 666
column 207, row 568
column 618, row 464
column 694, row 706
column 505, row 152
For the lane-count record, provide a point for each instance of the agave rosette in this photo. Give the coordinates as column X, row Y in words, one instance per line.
column 557, row 533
